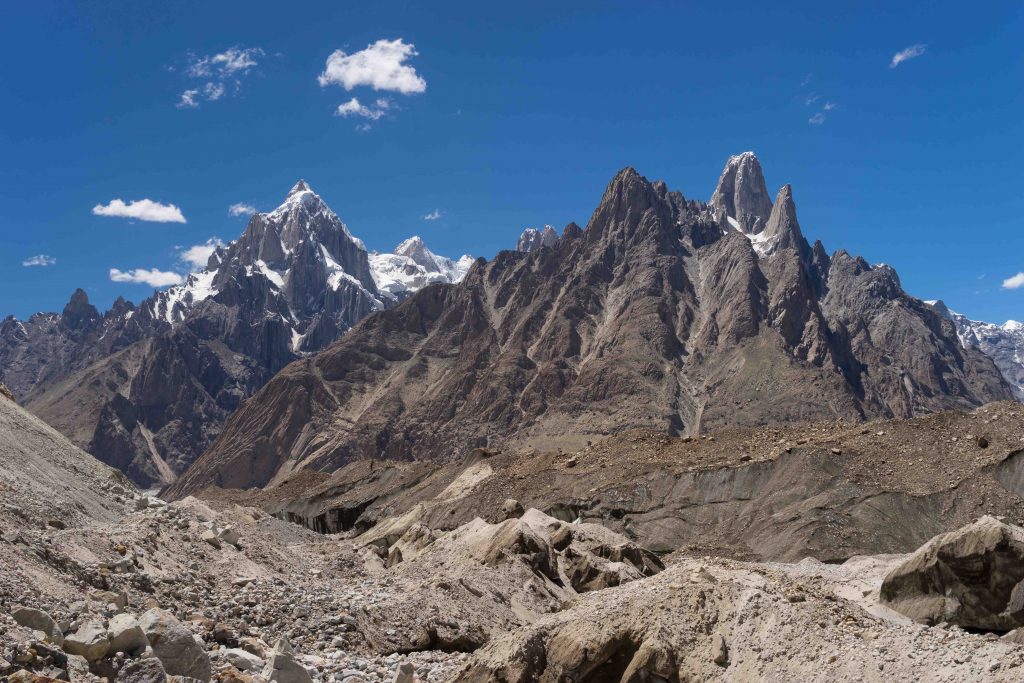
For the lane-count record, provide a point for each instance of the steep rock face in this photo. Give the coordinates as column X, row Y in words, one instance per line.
column 741, row 193
column 1004, row 344
column 147, row 388
column 661, row 315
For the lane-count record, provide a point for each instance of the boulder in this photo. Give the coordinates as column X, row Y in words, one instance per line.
column 126, row 635
column 89, row 641
column 38, row 620
column 212, row 538
column 142, row 671
column 242, row 660
column 972, row 577
column 229, row 535
column 405, row 673
column 174, row 645
column 282, row 667
column 511, row 508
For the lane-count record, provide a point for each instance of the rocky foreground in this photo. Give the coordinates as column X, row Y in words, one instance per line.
column 101, row 582
column 184, row 591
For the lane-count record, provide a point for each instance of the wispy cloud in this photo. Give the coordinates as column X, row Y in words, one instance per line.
column 241, row 209
column 188, row 99
column 903, row 55
column 373, row 112
column 829, row 106
column 807, row 79
column 433, row 215
column 381, row 66
column 1015, row 282
column 811, row 99
column 142, row 209
column 197, row 255
column 39, row 260
column 221, row 72
column 233, row 61
column 152, row 277
column 213, row 91
column 817, row 119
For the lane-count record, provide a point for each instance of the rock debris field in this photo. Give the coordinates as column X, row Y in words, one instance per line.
column 101, row 582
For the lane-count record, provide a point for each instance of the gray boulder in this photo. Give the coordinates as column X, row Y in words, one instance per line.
column 38, row 620
column 126, row 635
column 405, row 673
column 282, row 667
column 173, row 644
column 142, row 671
column 89, row 641
column 972, row 577
column 242, row 660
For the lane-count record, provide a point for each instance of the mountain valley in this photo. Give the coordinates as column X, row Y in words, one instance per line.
column 682, row 443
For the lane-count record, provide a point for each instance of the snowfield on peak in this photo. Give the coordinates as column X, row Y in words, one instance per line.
column 1003, row 343
column 413, row 266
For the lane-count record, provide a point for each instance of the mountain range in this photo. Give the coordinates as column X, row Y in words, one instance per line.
column 665, row 312
column 146, row 388
column 1004, row 344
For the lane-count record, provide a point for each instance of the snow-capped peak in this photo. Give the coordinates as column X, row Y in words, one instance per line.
column 301, row 198
column 414, row 248
column 301, row 186
column 412, row 266
column 1004, row 344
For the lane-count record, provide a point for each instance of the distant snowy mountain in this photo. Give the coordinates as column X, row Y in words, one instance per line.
column 532, row 239
column 146, row 388
column 412, row 267
column 1004, row 343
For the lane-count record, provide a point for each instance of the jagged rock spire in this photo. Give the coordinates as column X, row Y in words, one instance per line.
column 741, row 193
column 79, row 311
column 783, row 228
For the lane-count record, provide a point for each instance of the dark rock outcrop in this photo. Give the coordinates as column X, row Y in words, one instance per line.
column 972, row 577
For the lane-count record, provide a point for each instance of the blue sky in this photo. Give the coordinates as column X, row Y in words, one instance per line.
column 501, row 116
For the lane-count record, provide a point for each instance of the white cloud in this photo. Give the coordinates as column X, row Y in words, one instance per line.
column 380, row 66
column 241, row 209
column 197, row 255
column 213, row 91
column 153, row 277
column 188, row 100
column 142, row 209
column 433, row 215
column 829, row 106
column 907, row 53
column 817, row 119
column 811, row 99
column 232, row 61
column 220, row 71
column 1015, row 282
column 39, row 260
column 356, row 108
